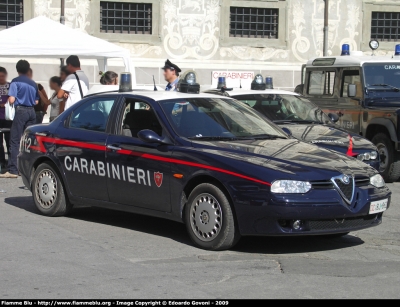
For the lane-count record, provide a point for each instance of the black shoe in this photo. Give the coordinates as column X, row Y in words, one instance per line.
column 3, row 167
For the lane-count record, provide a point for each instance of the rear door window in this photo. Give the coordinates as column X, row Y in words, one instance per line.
column 93, row 115
column 321, row 83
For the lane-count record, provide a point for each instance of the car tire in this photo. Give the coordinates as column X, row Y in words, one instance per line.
column 209, row 218
column 48, row 191
column 390, row 170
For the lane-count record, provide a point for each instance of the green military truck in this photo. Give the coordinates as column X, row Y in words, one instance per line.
column 364, row 91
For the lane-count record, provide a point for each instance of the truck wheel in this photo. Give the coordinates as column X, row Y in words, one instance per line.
column 389, row 168
column 48, row 192
column 209, row 218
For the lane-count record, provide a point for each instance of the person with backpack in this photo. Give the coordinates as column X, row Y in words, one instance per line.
column 76, row 85
column 41, row 107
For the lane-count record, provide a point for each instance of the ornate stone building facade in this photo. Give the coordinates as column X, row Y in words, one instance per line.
column 209, row 35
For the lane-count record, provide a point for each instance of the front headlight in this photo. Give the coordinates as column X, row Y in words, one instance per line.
column 368, row 156
column 377, row 181
column 290, row 187
column 374, row 155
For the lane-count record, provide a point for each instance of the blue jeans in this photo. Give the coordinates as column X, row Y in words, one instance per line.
column 39, row 117
column 24, row 117
column 4, row 136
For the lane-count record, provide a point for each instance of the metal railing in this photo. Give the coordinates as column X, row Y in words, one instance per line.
column 254, row 22
column 11, row 13
column 385, row 26
column 123, row 17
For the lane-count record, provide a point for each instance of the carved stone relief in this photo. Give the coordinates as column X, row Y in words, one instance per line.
column 191, row 28
column 249, row 53
column 300, row 44
column 138, row 50
column 76, row 12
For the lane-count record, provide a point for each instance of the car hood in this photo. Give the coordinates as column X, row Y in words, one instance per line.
column 331, row 138
column 291, row 156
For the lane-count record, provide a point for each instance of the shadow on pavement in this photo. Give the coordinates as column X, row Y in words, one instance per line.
column 23, row 202
column 177, row 231
column 294, row 245
column 140, row 223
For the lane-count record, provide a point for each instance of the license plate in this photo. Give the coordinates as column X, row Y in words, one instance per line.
column 378, row 206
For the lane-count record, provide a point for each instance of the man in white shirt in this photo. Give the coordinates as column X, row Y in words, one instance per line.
column 70, row 89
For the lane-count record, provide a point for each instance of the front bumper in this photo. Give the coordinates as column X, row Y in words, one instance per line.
column 319, row 212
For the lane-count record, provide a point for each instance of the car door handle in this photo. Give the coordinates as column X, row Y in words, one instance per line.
column 112, row 147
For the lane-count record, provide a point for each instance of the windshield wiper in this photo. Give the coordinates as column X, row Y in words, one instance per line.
column 219, row 138
column 297, row 121
column 268, row 137
column 237, row 138
column 210, row 138
column 396, row 89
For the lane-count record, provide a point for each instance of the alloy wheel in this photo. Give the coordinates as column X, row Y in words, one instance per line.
column 46, row 189
column 206, row 217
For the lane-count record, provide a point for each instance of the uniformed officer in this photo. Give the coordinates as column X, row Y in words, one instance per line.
column 171, row 75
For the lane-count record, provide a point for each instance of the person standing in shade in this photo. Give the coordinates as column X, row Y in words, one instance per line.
column 76, row 85
column 55, row 84
column 4, row 136
column 171, row 75
column 41, row 107
column 64, row 73
column 24, row 95
column 109, row 78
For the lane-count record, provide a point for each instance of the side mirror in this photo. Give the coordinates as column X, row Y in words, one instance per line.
column 287, row 131
column 149, row 136
column 352, row 90
column 334, row 117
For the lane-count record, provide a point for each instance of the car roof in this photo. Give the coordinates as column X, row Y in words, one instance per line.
column 101, row 89
column 237, row 92
column 345, row 61
column 158, row 95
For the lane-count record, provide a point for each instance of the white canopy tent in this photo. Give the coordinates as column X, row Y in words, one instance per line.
column 42, row 37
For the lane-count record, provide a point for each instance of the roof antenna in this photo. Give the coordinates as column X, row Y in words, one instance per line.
column 240, row 83
column 154, row 82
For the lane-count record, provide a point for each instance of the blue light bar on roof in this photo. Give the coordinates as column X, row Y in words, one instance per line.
column 125, row 82
column 221, row 82
column 397, row 50
column 269, row 82
column 345, row 49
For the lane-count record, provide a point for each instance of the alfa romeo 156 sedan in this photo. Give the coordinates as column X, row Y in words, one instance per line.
column 207, row 161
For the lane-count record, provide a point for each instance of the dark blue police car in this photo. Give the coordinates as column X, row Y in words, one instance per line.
column 207, row 161
column 304, row 120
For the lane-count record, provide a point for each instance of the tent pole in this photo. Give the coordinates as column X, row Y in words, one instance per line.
column 326, row 28
column 62, row 21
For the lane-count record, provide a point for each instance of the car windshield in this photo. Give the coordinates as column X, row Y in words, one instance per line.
column 285, row 108
column 217, row 119
column 382, row 80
